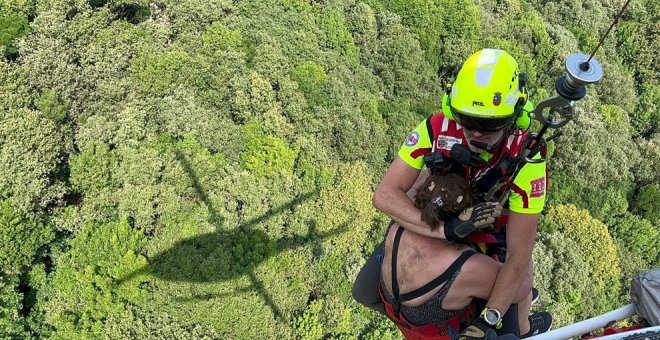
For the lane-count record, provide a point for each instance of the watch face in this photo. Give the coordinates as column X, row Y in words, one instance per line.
column 492, row 316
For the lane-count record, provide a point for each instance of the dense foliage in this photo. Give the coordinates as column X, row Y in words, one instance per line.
column 186, row 169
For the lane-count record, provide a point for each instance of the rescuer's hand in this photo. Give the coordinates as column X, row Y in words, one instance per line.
column 472, row 219
column 478, row 330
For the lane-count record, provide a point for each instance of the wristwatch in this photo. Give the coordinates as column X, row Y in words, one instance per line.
column 492, row 316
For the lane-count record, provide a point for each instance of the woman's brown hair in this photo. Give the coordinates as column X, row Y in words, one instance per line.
column 443, row 196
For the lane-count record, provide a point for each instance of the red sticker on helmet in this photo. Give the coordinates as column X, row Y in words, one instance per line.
column 497, row 99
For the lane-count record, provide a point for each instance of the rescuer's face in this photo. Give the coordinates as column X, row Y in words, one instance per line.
column 490, row 138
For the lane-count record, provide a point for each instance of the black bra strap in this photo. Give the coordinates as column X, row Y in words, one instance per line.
column 444, row 277
column 395, row 252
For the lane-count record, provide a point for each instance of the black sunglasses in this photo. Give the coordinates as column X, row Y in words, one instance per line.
column 481, row 124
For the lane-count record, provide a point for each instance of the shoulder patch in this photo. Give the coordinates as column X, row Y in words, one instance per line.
column 538, row 187
column 412, row 139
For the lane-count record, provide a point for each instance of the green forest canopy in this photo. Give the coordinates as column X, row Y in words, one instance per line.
column 203, row 170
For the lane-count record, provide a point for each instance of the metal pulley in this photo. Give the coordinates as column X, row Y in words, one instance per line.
column 581, row 70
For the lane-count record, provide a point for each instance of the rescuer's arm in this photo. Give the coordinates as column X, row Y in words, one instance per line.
column 520, row 239
column 390, row 197
column 419, row 182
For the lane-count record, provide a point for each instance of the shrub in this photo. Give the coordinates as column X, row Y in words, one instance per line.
column 647, row 202
column 638, row 235
column 23, row 242
column 628, row 41
column 362, row 24
column 51, row 105
column 603, row 202
column 594, row 245
column 647, row 172
column 219, row 37
column 22, row 239
column 33, row 158
column 26, row 7
column 562, row 277
column 343, row 208
column 591, row 153
column 398, row 60
column 265, row 155
column 12, row 323
column 447, row 31
column 337, row 37
column 646, row 116
column 461, row 31
column 308, row 326
column 616, row 89
column 133, row 11
column 150, row 323
column 253, row 98
column 361, row 135
column 156, row 73
column 12, row 27
column 632, row 264
column 87, row 289
column 325, row 318
column 91, row 170
column 189, row 17
column 311, row 78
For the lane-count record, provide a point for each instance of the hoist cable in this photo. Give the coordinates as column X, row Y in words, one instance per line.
column 616, row 20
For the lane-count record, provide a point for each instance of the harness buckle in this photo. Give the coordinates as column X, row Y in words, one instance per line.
column 530, row 150
column 434, row 161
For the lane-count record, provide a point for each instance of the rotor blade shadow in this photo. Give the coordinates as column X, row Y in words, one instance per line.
column 209, row 296
column 216, row 219
column 228, row 254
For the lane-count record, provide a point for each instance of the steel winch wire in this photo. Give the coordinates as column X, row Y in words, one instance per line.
column 585, row 65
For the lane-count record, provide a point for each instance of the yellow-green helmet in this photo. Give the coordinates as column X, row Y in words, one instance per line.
column 487, row 94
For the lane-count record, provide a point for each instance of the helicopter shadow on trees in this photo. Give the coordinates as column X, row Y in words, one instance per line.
column 229, row 254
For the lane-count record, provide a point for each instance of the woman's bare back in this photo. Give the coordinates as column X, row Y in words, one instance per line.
column 421, row 259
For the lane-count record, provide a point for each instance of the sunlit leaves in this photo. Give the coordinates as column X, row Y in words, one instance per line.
column 33, row 151
column 594, row 245
column 236, row 144
column 265, row 155
column 88, row 287
column 12, row 27
column 647, row 172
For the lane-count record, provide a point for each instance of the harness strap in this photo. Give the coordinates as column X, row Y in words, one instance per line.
column 429, row 128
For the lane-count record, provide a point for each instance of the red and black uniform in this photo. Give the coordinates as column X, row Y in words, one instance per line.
column 527, row 190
